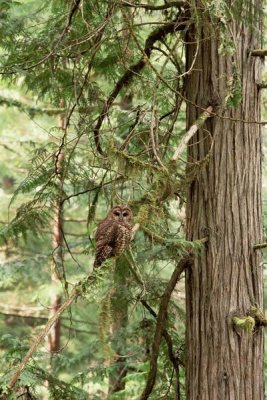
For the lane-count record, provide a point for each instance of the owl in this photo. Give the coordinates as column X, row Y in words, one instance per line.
column 113, row 234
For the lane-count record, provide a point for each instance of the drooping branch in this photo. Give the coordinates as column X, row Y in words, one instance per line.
column 160, row 325
column 135, row 69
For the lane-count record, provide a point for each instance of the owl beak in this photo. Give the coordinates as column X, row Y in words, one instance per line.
column 121, row 217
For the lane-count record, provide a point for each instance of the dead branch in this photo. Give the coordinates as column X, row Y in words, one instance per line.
column 190, row 133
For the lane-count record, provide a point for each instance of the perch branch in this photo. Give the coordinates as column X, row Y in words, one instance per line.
column 190, row 133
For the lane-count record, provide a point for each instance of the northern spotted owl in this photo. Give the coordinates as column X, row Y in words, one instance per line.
column 113, row 234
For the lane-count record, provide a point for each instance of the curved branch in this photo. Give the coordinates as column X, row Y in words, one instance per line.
column 160, row 326
column 157, row 34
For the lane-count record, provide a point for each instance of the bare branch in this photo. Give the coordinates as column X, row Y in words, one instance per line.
column 193, row 129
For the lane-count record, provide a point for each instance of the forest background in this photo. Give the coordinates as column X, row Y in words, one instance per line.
column 63, row 78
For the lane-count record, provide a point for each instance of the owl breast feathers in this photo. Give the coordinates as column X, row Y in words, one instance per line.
column 113, row 234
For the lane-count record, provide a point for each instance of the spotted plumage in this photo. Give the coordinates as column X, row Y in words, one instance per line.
column 113, row 234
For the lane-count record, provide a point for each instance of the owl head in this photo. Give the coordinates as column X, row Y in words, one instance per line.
column 121, row 213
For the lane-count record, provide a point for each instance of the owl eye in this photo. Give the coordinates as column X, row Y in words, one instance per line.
column 125, row 214
column 116, row 213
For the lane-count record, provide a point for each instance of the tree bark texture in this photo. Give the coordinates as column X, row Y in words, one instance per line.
column 224, row 203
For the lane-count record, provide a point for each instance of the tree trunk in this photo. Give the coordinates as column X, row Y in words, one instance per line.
column 224, row 203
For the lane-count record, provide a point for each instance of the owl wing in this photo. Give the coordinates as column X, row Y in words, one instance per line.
column 106, row 235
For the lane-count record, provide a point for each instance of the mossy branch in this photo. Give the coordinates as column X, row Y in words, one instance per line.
column 255, row 319
column 260, row 246
column 246, row 323
column 258, row 53
column 79, row 289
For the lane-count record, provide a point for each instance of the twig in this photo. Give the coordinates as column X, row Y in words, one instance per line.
column 193, row 129
column 160, row 326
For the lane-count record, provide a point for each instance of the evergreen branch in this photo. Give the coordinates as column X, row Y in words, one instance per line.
column 161, row 323
column 29, row 109
column 158, row 34
column 152, row 7
column 187, row 245
column 97, row 44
